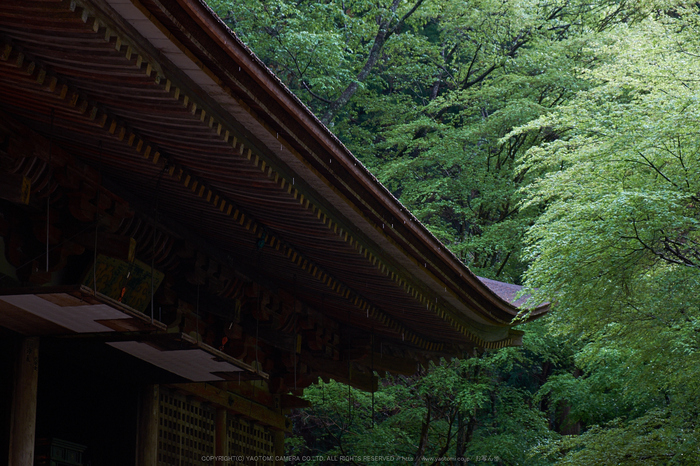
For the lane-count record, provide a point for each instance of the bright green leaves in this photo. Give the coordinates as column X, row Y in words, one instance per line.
column 657, row 437
column 483, row 406
column 621, row 181
column 427, row 109
column 312, row 45
column 559, row 135
column 511, row 403
column 617, row 247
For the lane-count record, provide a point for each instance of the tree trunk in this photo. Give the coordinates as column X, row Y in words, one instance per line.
column 461, row 438
column 24, row 403
column 436, row 87
column 385, row 31
column 423, row 442
column 349, row 91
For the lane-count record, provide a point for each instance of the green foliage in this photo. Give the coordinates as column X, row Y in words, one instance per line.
column 489, row 402
column 555, row 141
column 657, row 437
column 312, row 42
column 617, row 244
column 442, row 158
column 431, row 106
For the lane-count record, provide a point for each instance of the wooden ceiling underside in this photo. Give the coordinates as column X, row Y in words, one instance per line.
column 73, row 76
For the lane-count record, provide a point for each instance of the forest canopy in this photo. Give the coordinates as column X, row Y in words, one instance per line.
column 549, row 143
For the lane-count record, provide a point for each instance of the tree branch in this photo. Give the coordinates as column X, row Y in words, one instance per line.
column 469, row 70
column 656, row 169
column 423, row 442
column 383, row 34
column 405, row 17
column 305, row 85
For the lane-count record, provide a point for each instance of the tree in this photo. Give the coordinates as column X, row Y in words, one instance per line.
column 422, row 91
column 601, row 187
column 482, row 407
column 617, row 245
column 472, row 73
column 325, row 50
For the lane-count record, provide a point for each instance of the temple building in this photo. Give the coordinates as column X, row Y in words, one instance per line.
column 185, row 247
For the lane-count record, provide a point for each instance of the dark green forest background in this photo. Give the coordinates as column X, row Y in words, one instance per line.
column 549, row 143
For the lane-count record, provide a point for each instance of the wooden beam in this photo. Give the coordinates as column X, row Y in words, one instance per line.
column 147, row 441
column 23, row 426
column 278, row 442
column 111, row 245
column 235, row 403
column 220, row 437
column 15, row 188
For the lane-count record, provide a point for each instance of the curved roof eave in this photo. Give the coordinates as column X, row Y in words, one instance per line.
column 453, row 270
column 342, row 183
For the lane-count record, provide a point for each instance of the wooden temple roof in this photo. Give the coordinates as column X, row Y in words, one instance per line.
column 162, row 107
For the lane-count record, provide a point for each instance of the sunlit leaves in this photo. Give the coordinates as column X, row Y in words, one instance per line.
column 571, row 125
column 616, row 248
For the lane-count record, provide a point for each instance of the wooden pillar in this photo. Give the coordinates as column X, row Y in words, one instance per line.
column 221, row 437
column 23, row 424
column 147, row 441
column 278, row 442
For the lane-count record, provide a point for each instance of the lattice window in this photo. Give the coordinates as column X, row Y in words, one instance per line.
column 249, row 440
column 185, row 432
